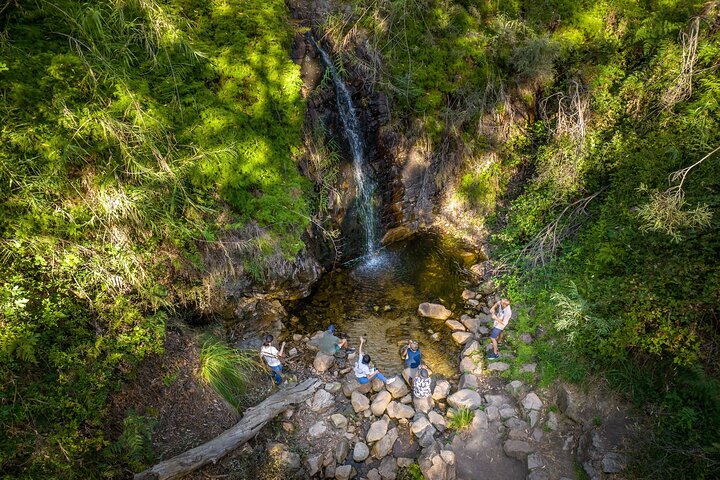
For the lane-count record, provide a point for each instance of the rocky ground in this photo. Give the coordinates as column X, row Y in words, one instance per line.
column 376, row 431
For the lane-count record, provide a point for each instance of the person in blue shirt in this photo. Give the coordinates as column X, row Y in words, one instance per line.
column 412, row 357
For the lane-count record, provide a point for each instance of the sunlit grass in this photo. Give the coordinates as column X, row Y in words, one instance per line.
column 462, row 419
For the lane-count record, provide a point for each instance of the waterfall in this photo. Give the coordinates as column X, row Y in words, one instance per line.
column 361, row 169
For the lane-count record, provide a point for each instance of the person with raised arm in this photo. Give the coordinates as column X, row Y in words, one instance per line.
column 363, row 372
column 272, row 357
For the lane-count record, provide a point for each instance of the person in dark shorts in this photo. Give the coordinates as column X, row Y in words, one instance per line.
column 500, row 313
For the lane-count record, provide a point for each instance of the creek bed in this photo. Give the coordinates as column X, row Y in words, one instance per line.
column 378, row 297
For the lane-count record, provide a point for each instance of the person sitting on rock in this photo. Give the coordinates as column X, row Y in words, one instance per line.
column 272, row 357
column 411, row 355
column 363, row 372
column 501, row 314
column 330, row 344
column 421, row 383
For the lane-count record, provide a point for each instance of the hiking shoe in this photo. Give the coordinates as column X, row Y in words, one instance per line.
column 493, row 356
column 350, row 350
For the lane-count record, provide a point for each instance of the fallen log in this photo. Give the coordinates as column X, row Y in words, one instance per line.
column 253, row 420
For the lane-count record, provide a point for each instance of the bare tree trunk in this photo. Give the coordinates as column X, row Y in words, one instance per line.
column 253, row 420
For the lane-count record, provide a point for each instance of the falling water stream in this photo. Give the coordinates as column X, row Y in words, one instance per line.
column 361, row 170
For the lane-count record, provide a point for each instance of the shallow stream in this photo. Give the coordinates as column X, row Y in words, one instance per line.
column 378, row 297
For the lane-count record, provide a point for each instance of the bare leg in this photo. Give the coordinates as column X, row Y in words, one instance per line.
column 495, row 349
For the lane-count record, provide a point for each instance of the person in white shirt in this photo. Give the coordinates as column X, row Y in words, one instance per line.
column 363, row 372
column 272, row 357
column 500, row 313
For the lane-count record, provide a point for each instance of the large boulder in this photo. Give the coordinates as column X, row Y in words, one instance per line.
column 472, row 365
column 380, row 403
column 435, row 466
column 343, row 472
column 465, row 399
column 384, row 446
column 517, row 449
column 441, row 390
column 360, row 402
column 454, row 325
column 377, row 430
column 398, row 410
column 462, row 338
column 434, row 310
column 471, row 323
column 437, row 420
column 423, row 404
column 397, row 388
column 350, row 384
column 472, row 349
column 468, row 381
column 322, row 400
column 468, row 294
column 531, row 402
column 387, row 469
column 323, row 362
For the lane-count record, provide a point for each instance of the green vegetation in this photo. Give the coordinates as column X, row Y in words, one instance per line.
column 133, row 134
column 136, row 133
column 411, row 472
column 227, row 370
column 462, row 419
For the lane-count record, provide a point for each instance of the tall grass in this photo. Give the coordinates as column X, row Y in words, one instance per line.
column 462, row 419
column 227, row 370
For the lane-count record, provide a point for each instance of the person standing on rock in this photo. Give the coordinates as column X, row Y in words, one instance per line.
column 272, row 357
column 411, row 355
column 421, row 383
column 363, row 372
column 500, row 313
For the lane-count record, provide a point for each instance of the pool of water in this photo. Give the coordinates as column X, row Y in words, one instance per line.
column 378, row 297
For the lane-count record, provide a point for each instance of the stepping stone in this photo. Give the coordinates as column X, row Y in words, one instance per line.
column 468, row 380
column 442, row 389
column 532, row 402
column 380, row 403
column 468, row 294
column 471, row 349
column 317, row 429
column 514, row 388
column 465, row 399
column 339, row 421
column 497, row 366
column 322, row 400
column 517, row 449
column 454, row 325
column 528, row 368
column 433, row 310
column 384, row 446
column 360, row 402
column 462, row 337
column 378, row 429
column 323, row 362
column 398, row 388
column 398, row 410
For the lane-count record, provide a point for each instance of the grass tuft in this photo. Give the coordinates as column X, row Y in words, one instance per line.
column 226, row 369
column 462, row 419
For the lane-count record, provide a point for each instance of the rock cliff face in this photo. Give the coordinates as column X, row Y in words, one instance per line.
column 416, row 177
